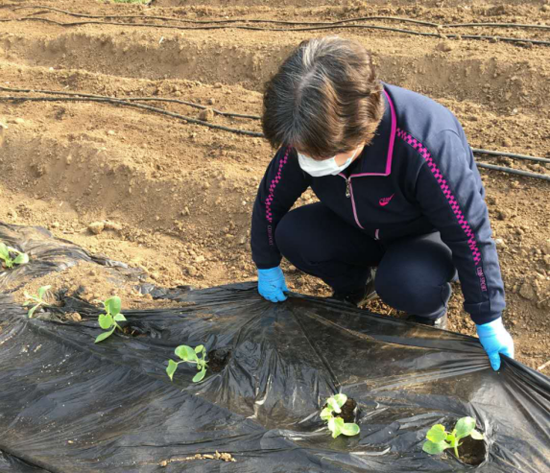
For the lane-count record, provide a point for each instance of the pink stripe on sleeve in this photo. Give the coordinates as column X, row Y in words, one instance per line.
column 472, row 243
column 273, row 185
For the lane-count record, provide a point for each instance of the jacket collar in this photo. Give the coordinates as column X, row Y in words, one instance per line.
column 376, row 158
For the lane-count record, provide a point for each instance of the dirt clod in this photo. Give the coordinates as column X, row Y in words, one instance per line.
column 527, row 291
column 445, row 46
column 96, row 227
column 117, row 227
column 206, row 115
column 73, row 317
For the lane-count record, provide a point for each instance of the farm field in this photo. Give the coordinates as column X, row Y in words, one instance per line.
column 178, row 196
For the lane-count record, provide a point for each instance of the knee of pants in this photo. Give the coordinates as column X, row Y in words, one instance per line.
column 419, row 296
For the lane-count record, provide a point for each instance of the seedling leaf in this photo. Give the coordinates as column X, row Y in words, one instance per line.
column 333, row 403
column 22, row 258
column 199, row 376
column 476, row 435
column 106, row 321
column 341, row 399
column 439, row 439
column 335, row 425
column 171, row 369
column 464, row 427
column 186, row 353
column 435, row 448
column 350, row 429
column 32, row 310
column 326, row 413
column 119, row 318
column 437, row 434
column 42, row 291
column 113, row 305
column 104, row 335
column 4, row 252
column 199, row 349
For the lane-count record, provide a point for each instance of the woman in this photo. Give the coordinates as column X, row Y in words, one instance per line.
column 398, row 189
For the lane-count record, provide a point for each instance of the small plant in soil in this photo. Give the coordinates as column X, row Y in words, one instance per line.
column 11, row 257
column 38, row 300
column 439, row 440
column 336, row 424
column 108, row 320
column 187, row 354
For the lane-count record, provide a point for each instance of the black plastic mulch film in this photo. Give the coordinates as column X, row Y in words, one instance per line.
column 69, row 405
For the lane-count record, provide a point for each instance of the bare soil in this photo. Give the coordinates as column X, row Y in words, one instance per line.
column 177, row 197
column 218, row 359
column 472, row 452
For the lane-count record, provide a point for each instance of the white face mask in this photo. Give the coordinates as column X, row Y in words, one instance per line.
column 325, row 167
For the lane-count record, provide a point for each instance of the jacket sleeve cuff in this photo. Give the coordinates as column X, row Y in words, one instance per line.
column 484, row 312
column 270, row 264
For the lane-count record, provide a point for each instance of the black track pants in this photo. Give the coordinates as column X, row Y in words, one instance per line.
column 414, row 273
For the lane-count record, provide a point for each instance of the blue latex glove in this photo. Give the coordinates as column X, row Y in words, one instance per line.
column 495, row 340
column 271, row 284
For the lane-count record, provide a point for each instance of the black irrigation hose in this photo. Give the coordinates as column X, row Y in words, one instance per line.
column 281, row 22
column 513, row 171
column 135, row 105
column 232, row 130
column 231, row 114
column 315, row 28
column 234, row 20
column 497, row 25
column 133, row 99
column 510, row 155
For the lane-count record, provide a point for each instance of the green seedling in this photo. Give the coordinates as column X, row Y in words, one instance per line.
column 9, row 262
column 189, row 355
column 335, row 423
column 439, row 440
column 108, row 320
column 38, row 300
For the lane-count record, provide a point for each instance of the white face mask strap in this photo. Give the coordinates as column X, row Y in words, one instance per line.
column 354, row 153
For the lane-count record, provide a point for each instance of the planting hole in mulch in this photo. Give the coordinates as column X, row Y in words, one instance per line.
column 472, row 452
column 134, row 331
column 217, row 359
column 349, row 411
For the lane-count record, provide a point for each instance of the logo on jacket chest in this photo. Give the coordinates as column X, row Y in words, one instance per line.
column 385, row 200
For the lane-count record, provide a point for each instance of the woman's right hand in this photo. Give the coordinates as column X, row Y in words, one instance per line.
column 271, row 284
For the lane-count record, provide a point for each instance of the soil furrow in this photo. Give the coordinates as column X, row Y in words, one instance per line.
column 250, row 60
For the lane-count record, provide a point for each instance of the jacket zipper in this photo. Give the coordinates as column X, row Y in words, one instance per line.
column 349, row 195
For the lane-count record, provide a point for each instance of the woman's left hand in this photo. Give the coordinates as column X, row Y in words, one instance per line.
column 495, row 340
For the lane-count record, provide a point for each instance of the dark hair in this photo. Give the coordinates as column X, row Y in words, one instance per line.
column 325, row 98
